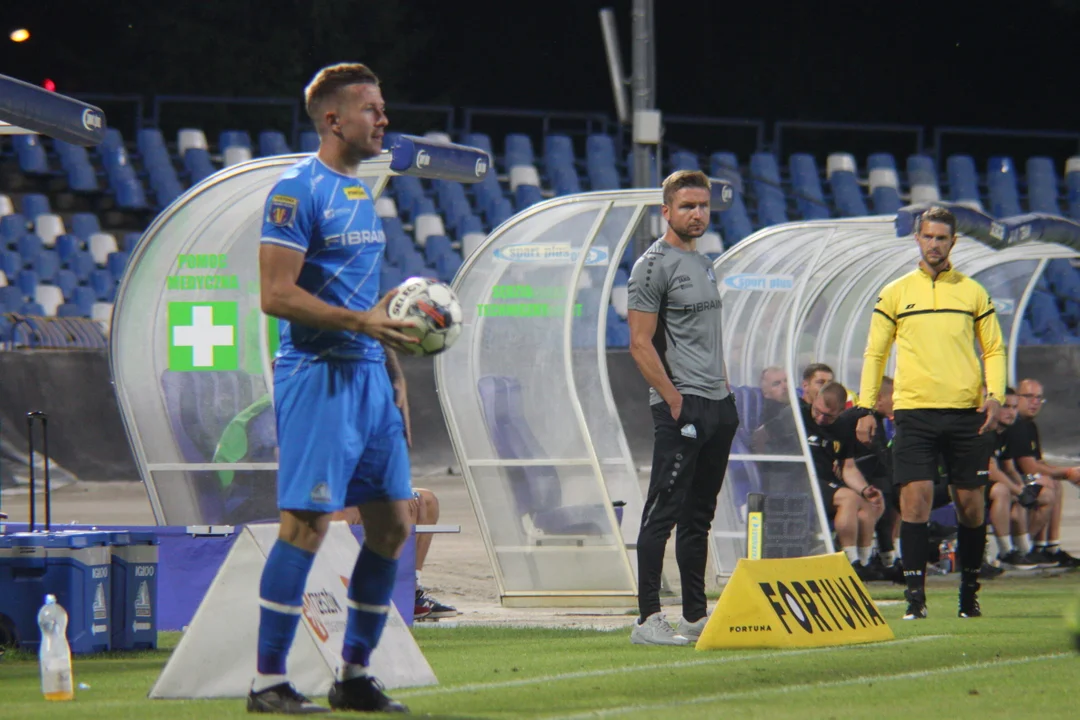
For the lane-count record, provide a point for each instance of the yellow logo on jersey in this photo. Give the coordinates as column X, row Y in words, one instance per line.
column 356, row 193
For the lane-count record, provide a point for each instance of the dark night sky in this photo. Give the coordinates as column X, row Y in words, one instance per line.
column 926, row 63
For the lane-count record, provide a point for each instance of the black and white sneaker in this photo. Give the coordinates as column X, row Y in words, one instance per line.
column 1015, row 560
column 989, row 572
column 362, row 694
column 1064, row 559
column 969, row 601
column 916, row 609
column 282, row 699
column 1041, row 560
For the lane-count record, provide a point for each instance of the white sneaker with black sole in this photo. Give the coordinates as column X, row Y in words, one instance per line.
column 656, row 630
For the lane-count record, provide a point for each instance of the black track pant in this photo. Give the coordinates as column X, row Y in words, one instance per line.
column 690, row 457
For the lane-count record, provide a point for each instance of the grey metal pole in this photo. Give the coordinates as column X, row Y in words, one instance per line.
column 644, row 98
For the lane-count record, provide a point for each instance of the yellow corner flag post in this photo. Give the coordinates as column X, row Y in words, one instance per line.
column 755, row 525
column 794, row 602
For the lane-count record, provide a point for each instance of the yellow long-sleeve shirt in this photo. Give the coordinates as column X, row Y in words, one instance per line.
column 934, row 323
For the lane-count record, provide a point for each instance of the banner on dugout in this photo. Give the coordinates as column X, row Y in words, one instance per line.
column 794, row 602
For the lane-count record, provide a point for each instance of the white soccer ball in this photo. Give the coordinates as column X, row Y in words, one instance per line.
column 434, row 310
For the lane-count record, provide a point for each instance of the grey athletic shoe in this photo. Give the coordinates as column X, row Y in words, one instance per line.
column 656, row 630
column 691, row 630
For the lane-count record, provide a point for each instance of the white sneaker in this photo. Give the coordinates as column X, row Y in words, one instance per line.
column 656, row 630
column 691, row 630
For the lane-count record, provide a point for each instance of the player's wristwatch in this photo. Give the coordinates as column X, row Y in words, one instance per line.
column 1031, row 478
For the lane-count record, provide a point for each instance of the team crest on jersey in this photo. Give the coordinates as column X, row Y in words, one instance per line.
column 282, row 210
column 356, row 193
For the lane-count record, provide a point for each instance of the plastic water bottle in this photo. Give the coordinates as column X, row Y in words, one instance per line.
column 55, row 653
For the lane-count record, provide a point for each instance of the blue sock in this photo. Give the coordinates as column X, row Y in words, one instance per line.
column 281, row 599
column 369, row 602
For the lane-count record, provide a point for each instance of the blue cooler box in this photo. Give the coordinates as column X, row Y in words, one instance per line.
column 134, row 590
column 73, row 566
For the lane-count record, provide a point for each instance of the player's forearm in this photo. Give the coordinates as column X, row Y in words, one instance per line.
column 874, row 359
column 1033, row 466
column 998, row 476
column 648, row 362
column 297, row 305
column 853, row 477
column 994, row 361
column 393, row 365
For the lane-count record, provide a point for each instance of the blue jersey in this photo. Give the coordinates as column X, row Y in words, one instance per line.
column 330, row 218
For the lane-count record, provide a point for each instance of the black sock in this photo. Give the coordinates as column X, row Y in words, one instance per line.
column 970, row 546
column 915, row 546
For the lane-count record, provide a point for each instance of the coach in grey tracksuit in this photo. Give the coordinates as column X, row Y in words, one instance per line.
column 676, row 341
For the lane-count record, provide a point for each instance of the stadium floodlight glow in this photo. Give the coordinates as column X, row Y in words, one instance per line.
column 19, row 35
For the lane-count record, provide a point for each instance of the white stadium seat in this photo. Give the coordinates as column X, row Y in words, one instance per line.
column 1071, row 165
column 426, row 226
column 101, row 244
column 883, row 177
column 924, row 194
column 710, row 244
column 101, row 313
column 620, row 300
column 523, row 175
column 190, row 138
column 49, row 297
column 839, row 161
column 3, row 279
column 470, row 242
column 6, row 207
column 385, row 207
column 48, row 227
column 235, row 154
column 437, row 136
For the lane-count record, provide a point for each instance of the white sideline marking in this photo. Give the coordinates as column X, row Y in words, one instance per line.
column 785, row 689
column 473, row 687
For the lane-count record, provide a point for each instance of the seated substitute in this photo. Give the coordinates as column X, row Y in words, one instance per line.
column 423, row 510
column 854, row 505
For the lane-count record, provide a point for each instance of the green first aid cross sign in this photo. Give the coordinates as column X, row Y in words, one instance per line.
column 204, row 336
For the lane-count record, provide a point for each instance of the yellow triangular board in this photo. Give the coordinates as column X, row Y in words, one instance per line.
column 794, row 602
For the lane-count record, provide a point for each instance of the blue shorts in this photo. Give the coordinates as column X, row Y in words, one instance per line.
column 341, row 438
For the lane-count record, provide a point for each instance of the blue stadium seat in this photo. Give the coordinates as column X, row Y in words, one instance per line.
column 309, row 141
column 413, row 265
column 683, row 160
column 130, row 194
column 1064, row 279
column 84, row 298
column 409, row 192
column 389, row 278
column 479, row 140
column 601, row 147
column 11, row 299
column 1042, row 186
column 10, row 262
column 527, row 195
column 70, row 310
column 446, row 266
column 558, row 152
column 129, row 241
column 722, row 161
column 5, row 326
column 470, row 224
column 116, row 263
column 617, row 330
column 81, row 262
column 30, row 154
column 27, row 282
column 922, row 179
column 564, row 181
column 963, row 182
column 103, row 284
column 198, row 165
column 70, row 154
column 1046, row 320
column 735, row 221
column 29, row 246
column 806, row 187
column 847, row 194
column 67, row 282
column 234, row 138
column 34, row 204
column 151, row 143
column 112, row 139
column 500, row 212
column 881, row 161
column 518, row 150
column 12, row 227
column 166, row 189
column 83, row 178
column 434, row 247
column 1072, row 187
column 272, row 142
column 765, row 181
column 32, row 309
column 487, row 193
column 603, row 176
column 1001, row 183
column 46, row 265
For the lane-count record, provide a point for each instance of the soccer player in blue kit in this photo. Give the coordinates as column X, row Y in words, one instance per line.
column 339, row 395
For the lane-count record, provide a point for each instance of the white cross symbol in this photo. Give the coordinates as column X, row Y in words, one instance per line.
column 202, row 336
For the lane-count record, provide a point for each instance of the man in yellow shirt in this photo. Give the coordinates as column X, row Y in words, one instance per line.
column 935, row 314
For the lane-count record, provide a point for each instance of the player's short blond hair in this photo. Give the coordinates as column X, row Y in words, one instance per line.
column 937, row 214
column 330, row 79
column 680, row 179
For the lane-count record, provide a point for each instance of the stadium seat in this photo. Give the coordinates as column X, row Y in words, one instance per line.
column 10, row 263
column 1064, row 279
column 112, row 139
column 558, row 152
column 309, row 141
column 197, row 163
column 29, row 246
column 501, row 211
column 103, row 284
column 487, row 192
column 49, row 297
column 3, row 279
column 603, row 177
column 885, row 190
column 82, row 264
column 235, row 154
column 427, row 222
column 1042, row 186
column 30, row 154
column 6, row 206
column 115, row 264
column 70, row 310
column 189, row 138
column 523, row 175
column 881, row 161
column 472, row 235
column 1001, row 183
column 600, row 146
column 101, row 244
column 1072, row 187
column 840, row 162
column 527, row 195
column 722, row 161
column 130, row 240
column 46, row 265
column 963, row 182
column 272, row 142
column 765, row 181
column 130, row 194
column 683, row 160
column 83, row 298
column 26, row 281
column 84, row 225
column 12, row 227
column 34, row 204
column 386, row 207
column 32, row 309
column 389, row 278
column 409, row 193
column 234, row 138
column 101, row 313
column 48, row 227
column 518, row 150
column 434, row 247
column 735, row 221
column 845, row 187
column 1046, row 320
column 619, row 300
column 806, row 186
column 150, row 142
column 923, row 180
column 66, row 245
column 446, row 266
column 10, row 299
column 479, row 140
column 564, row 181
column 67, row 282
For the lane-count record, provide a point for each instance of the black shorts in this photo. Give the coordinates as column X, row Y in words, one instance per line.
column 828, row 495
column 925, row 437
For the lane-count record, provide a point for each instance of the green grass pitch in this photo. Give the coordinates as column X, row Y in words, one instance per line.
column 1019, row 660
